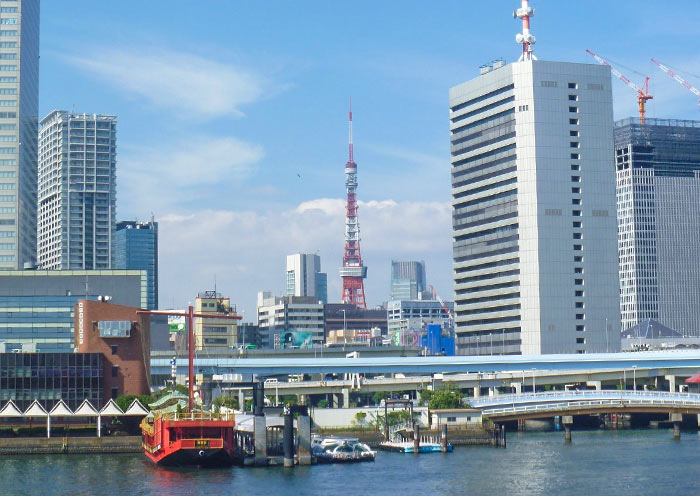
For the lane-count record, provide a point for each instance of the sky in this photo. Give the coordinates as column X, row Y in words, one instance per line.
column 232, row 118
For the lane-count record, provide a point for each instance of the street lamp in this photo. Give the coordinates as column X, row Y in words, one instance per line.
column 478, row 350
column 344, row 335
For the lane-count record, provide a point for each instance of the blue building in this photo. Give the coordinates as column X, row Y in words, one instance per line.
column 438, row 341
column 136, row 248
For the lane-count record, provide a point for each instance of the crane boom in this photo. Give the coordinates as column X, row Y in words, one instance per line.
column 675, row 76
column 642, row 94
column 442, row 303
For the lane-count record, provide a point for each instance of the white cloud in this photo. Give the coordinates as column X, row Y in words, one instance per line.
column 188, row 83
column 167, row 174
column 245, row 250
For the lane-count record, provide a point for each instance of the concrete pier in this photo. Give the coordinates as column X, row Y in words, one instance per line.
column 260, row 436
column 304, row 445
column 443, row 439
column 416, row 438
column 676, row 418
column 288, row 439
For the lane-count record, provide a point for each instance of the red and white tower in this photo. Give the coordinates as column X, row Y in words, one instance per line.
column 352, row 272
column 526, row 39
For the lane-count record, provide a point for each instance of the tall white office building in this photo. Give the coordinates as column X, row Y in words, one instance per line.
column 77, row 190
column 304, row 277
column 658, row 210
column 19, row 109
column 534, row 218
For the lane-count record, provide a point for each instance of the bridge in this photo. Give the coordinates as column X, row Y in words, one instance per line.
column 507, row 407
column 432, row 365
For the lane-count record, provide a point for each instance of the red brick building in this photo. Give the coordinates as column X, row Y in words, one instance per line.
column 123, row 338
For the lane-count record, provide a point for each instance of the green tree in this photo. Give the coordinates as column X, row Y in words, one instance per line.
column 225, row 401
column 446, row 396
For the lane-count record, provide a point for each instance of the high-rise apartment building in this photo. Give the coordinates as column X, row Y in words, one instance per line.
column 534, row 218
column 77, row 190
column 19, row 111
column 407, row 280
column 136, row 248
column 304, row 277
column 658, row 210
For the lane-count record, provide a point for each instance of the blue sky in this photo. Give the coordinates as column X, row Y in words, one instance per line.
column 232, row 117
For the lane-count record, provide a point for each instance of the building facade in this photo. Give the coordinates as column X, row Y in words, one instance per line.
column 534, row 224
column 415, row 315
column 407, row 280
column 122, row 336
column 136, row 248
column 19, row 111
column 215, row 332
column 345, row 316
column 37, row 306
column 77, row 191
column 51, row 377
column 304, row 277
column 658, row 210
column 290, row 321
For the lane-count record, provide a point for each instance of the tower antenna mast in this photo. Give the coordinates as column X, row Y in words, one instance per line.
column 526, row 39
column 353, row 271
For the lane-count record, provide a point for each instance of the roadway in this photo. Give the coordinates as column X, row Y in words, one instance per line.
column 432, row 365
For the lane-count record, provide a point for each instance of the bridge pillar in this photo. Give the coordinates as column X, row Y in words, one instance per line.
column 567, row 420
column 671, row 383
column 493, row 391
column 518, row 387
column 676, row 418
column 304, row 448
column 597, row 384
column 302, row 399
column 477, row 391
column 346, row 397
column 698, row 419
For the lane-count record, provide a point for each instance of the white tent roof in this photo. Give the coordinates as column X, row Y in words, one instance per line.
column 35, row 410
column 60, row 410
column 112, row 409
column 136, row 408
column 86, row 410
column 10, row 410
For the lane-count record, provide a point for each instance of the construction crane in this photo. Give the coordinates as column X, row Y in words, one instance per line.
column 675, row 76
column 642, row 94
column 444, row 307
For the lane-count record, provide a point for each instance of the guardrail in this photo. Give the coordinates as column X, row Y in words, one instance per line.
column 575, row 395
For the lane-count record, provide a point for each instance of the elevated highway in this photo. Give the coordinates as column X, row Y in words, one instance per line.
column 432, row 365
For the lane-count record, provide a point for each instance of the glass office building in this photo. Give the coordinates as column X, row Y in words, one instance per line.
column 407, row 280
column 50, row 377
column 658, row 211
column 19, row 109
column 136, row 248
column 37, row 307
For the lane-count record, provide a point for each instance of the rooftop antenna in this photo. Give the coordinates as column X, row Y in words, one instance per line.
column 350, row 127
column 525, row 38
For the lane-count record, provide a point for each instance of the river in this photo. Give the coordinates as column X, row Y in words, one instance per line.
column 596, row 463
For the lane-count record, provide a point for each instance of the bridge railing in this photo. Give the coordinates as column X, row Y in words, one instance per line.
column 574, row 395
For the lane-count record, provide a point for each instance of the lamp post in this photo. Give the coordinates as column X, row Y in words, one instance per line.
column 344, row 336
column 634, row 376
column 478, row 349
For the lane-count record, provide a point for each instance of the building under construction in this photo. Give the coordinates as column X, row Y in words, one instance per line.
column 658, row 209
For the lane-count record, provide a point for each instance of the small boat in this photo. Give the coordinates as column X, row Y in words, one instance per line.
column 341, row 450
column 407, row 447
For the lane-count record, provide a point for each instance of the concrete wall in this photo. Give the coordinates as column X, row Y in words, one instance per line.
column 331, row 418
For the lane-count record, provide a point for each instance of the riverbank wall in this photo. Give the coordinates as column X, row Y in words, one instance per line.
column 70, row 445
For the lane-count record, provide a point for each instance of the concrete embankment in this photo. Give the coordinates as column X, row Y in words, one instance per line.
column 73, row 445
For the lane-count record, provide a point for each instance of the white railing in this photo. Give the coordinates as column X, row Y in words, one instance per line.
column 550, row 396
